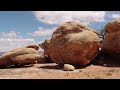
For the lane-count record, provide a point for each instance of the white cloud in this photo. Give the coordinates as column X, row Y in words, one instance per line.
column 11, row 34
column 11, row 40
column 116, row 16
column 59, row 17
column 42, row 32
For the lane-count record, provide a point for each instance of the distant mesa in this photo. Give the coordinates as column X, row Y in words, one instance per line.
column 1, row 53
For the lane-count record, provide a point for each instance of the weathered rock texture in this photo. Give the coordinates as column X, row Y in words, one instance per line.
column 111, row 43
column 42, row 58
column 46, row 46
column 74, row 43
column 19, row 56
column 36, row 47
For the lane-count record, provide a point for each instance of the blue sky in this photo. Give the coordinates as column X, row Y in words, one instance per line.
column 20, row 28
column 20, row 21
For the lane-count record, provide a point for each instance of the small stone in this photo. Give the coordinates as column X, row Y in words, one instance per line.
column 68, row 67
column 105, row 65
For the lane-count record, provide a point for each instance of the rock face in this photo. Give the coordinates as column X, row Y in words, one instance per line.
column 68, row 67
column 111, row 43
column 36, row 47
column 41, row 59
column 74, row 43
column 46, row 46
column 113, row 26
column 19, row 56
column 25, row 59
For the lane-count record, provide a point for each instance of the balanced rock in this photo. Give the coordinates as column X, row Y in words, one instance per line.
column 74, row 43
column 68, row 67
column 111, row 43
column 36, row 47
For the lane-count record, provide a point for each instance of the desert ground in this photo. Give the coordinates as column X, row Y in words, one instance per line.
column 54, row 71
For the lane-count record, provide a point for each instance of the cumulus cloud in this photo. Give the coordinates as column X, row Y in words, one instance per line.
column 11, row 40
column 42, row 32
column 116, row 16
column 59, row 17
column 11, row 34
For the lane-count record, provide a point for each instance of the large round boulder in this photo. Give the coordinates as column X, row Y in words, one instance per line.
column 112, row 27
column 74, row 43
column 111, row 43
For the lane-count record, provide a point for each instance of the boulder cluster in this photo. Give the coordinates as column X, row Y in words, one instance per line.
column 72, row 44
column 76, row 44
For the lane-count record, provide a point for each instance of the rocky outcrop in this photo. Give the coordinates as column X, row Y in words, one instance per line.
column 19, row 56
column 42, row 59
column 46, row 46
column 74, row 43
column 111, row 43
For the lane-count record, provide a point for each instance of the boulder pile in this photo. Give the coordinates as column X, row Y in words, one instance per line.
column 72, row 44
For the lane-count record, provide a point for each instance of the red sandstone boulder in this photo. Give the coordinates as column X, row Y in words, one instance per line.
column 111, row 43
column 74, row 43
column 46, row 45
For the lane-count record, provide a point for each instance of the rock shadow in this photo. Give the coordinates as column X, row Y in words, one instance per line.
column 82, row 67
column 60, row 67
column 107, row 60
column 15, row 66
column 51, row 67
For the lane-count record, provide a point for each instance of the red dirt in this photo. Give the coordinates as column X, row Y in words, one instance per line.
column 53, row 71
